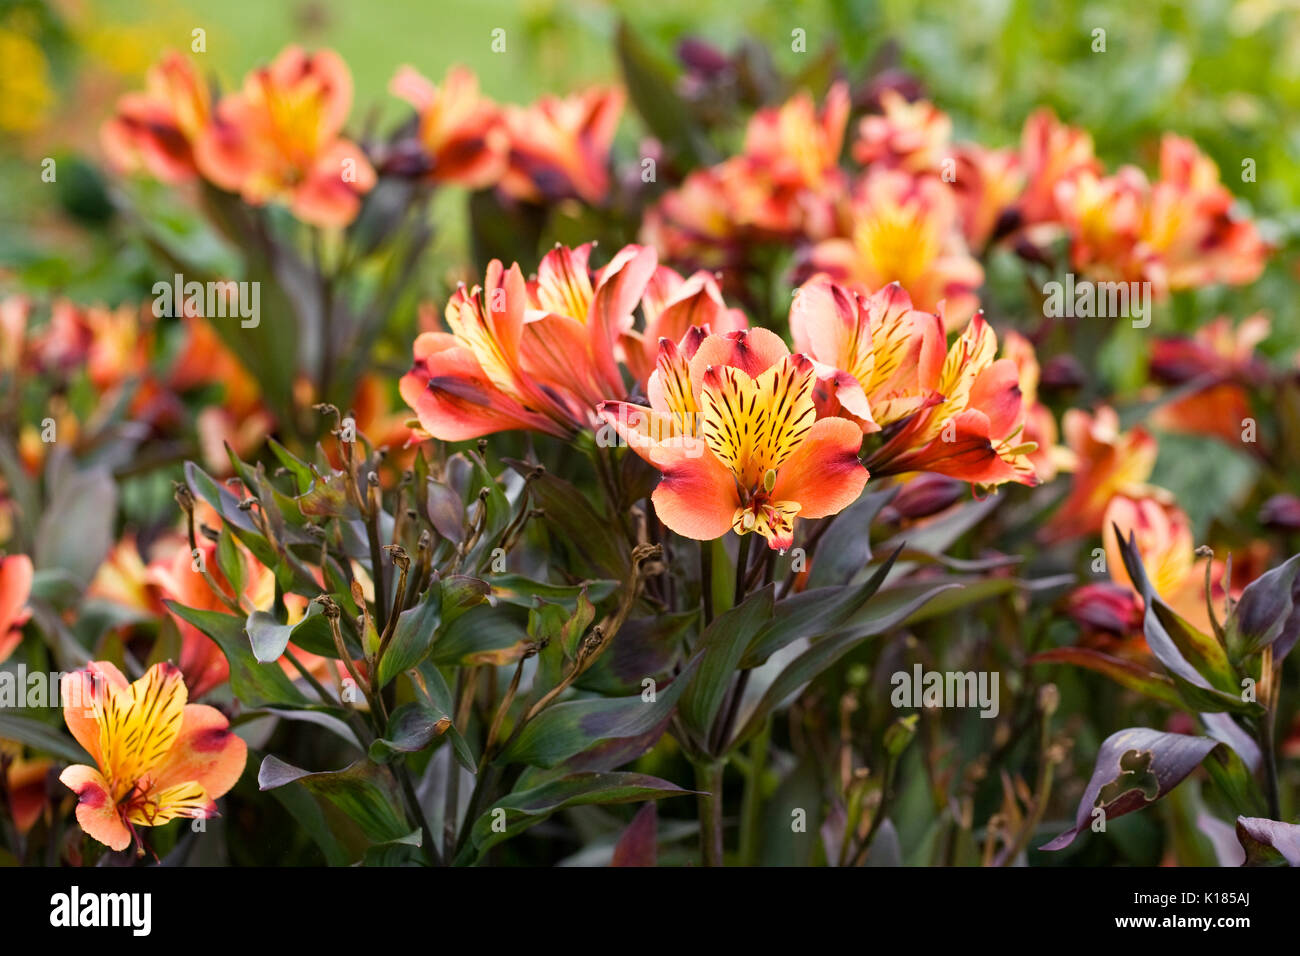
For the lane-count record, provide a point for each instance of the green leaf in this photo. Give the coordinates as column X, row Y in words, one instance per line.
column 364, row 790
column 414, row 634
column 527, row 808
column 411, row 728
column 483, row 635
column 41, row 736
column 570, row 727
column 823, row 654
column 518, row 590
column 1123, row 672
column 594, row 539
column 255, row 683
column 433, row 690
column 721, row 646
column 76, row 530
column 813, row 612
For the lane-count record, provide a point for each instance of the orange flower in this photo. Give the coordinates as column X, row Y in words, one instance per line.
column 1221, row 356
column 905, row 229
column 869, row 350
column 696, row 222
column 1190, row 227
column 1051, row 153
column 1164, row 541
column 156, row 129
column 672, row 306
column 15, row 589
column 912, row 137
column 559, row 147
column 157, row 757
column 278, row 139
column 1105, row 462
column 1103, row 216
column 24, row 781
column 460, row 130
column 732, row 426
column 1040, row 425
column 987, row 183
column 971, row 420
column 537, row 355
column 798, row 146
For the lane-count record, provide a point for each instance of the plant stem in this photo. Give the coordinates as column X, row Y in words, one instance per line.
column 752, row 800
column 742, row 566
column 706, row 580
column 708, row 780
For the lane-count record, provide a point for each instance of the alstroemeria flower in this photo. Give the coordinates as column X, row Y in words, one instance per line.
column 797, row 145
column 987, row 183
column 1051, row 153
column 905, row 229
column 1190, row 226
column 1040, row 425
column 1105, row 462
column 157, row 757
column 696, row 223
column 279, row 139
column 1103, row 216
column 672, row 306
column 15, row 589
column 869, row 349
column 157, row 128
column 559, row 147
column 24, row 782
column 460, row 131
column 912, row 137
column 971, row 422
column 733, row 428
column 533, row 355
column 1163, row 534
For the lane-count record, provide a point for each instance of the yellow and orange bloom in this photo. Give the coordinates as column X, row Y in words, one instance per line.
column 869, row 350
column 732, row 425
column 672, row 306
column 1051, row 153
column 1040, row 425
column 1106, row 462
column 905, row 229
column 24, row 780
column 15, row 589
column 797, row 145
column 913, row 137
column 155, row 130
column 1163, row 535
column 987, row 183
column 560, row 146
column 1189, row 225
column 537, row 355
column 157, row 757
column 279, row 139
column 971, row 420
column 460, row 131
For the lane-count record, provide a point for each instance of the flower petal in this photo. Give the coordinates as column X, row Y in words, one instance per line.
column 823, row 474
